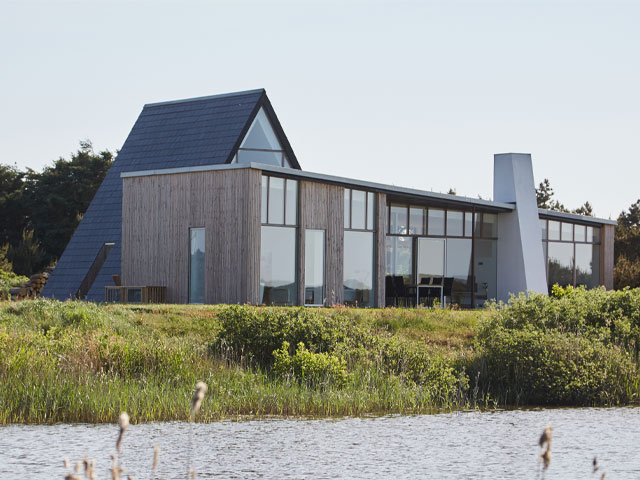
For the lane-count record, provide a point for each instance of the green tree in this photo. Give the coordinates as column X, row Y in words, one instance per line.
column 60, row 195
column 544, row 197
column 626, row 272
column 14, row 217
column 27, row 257
column 5, row 264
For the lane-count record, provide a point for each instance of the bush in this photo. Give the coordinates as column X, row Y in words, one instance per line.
column 9, row 280
column 530, row 366
column 311, row 368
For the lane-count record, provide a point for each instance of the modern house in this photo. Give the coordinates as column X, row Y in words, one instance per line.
column 207, row 199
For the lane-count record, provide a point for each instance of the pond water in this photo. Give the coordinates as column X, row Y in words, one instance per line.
column 490, row 444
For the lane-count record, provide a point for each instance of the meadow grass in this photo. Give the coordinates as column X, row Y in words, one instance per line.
column 84, row 362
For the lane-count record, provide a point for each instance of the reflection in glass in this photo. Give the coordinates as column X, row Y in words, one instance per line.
column 458, row 271
column 314, row 267
column 489, row 225
column 278, row 266
column 436, row 222
column 454, row 223
column 596, row 234
column 398, row 220
column 554, row 230
column 561, row 264
column 371, row 208
column 347, row 208
column 196, row 265
column 256, row 156
column 468, row 224
column 567, row 232
column 291, row 210
column 580, row 232
column 263, row 204
column 358, row 269
column 543, row 228
column 430, row 269
column 416, row 218
column 486, row 261
column 587, row 265
column 399, row 251
column 276, row 200
column 358, row 209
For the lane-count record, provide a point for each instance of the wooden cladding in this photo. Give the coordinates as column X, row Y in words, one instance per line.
column 321, row 207
column 157, row 212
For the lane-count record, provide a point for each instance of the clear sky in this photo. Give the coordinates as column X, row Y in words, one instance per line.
column 416, row 94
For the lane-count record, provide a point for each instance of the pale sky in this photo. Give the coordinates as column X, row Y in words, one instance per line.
column 416, row 94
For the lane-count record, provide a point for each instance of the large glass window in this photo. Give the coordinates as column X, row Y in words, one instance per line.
column 572, row 253
column 196, row 265
column 435, row 222
column 416, row 220
column 398, row 220
column 454, row 223
column 358, row 268
column 458, row 278
column 359, row 210
column 278, row 284
column 279, row 201
column 400, row 257
column 314, row 267
column 561, row 263
column 485, row 256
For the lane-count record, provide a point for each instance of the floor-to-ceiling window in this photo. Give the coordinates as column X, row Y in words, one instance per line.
column 430, row 253
column 314, row 258
column 572, row 253
column 278, row 282
column 359, row 226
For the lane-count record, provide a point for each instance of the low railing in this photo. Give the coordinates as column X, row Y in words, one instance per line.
column 148, row 294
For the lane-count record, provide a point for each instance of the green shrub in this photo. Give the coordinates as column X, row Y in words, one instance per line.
column 311, row 368
column 9, row 280
column 531, row 366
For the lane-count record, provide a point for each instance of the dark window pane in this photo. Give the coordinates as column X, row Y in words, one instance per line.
column 554, row 230
column 314, row 267
column 278, row 266
column 358, row 269
column 454, row 223
column 560, row 264
column 358, row 209
column 436, row 222
column 596, row 234
column 416, row 219
column 291, row 210
column 276, row 200
column 398, row 223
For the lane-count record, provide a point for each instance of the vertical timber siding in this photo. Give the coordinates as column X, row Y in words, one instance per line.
column 380, row 250
column 157, row 212
column 321, row 207
column 606, row 256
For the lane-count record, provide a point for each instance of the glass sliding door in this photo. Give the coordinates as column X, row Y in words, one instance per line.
column 278, row 284
column 486, row 267
column 430, row 268
column 314, row 267
column 458, row 272
column 196, row 265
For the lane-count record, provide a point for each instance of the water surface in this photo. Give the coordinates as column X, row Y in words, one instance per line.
column 492, row 444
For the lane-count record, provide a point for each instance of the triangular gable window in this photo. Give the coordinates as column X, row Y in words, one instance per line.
column 261, row 144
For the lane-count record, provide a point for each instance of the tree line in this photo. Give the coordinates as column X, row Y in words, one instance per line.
column 626, row 271
column 41, row 210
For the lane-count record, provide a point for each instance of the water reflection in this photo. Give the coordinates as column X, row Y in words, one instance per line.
column 497, row 444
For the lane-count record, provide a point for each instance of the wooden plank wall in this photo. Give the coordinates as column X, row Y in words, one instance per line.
column 157, row 214
column 380, row 246
column 321, row 207
column 606, row 256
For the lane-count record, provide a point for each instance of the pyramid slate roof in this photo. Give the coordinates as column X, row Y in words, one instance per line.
column 183, row 133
